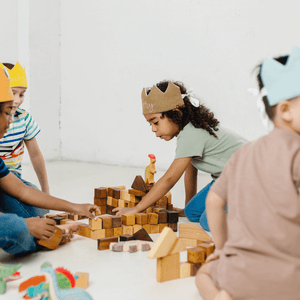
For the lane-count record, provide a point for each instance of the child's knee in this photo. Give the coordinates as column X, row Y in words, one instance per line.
column 13, row 226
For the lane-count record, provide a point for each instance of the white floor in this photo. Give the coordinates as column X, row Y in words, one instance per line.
column 112, row 275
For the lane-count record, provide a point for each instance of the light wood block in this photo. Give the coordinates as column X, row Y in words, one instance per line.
column 82, row 281
column 141, row 219
column 128, row 219
column 125, row 195
column 190, row 242
column 161, row 226
column 192, row 231
column 109, row 200
column 121, row 203
column 208, row 248
column 168, row 267
column 186, row 269
column 109, row 232
column 127, row 229
column 95, row 224
column 136, row 228
column 106, row 221
column 118, row 231
column 153, row 218
column 154, row 228
column 147, row 227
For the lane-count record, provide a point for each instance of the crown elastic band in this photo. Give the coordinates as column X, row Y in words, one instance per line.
column 194, row 101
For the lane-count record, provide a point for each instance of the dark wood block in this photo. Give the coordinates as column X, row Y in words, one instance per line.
column 173, row 226
column 110, row 192
column 100, row 193
column 116, row 221
column 139, row 184
column 103, row 244
column 116, row 193
column 172, row 216
column 170, row 206
column 162, row 216
column 126, row 237
column 109, row 209
column 57, row 219
column 136, row 192
column 142, row 235
column 100, row 202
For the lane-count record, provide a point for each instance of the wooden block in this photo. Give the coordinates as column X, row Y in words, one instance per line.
column 170, row 207
column 154, row 228
column 64, row 215
column 121, row 203
column 177, row 247
column 126, row 237
column 100, row 193
column 54, row 241
column 161, row 226
column 168, row 267
column 186, row 269
column 162, row 201
column 133, row 248
column 102, row 209
column 124, row 195
column 95, row 224
column 127, row 229
column 147, row 227
column 192, row 231
column 208, row 248
column 84, row 230
column 57, row 219
column 109, row 200
column 50, row 216
column 141, row 219
column 153, row 218
column 136, row 228
column 133, row 199
column 114, row 202
column 100, row 202
column 116, row 221
column 128, row 219
column 103, row 244
column 195, row 255
column 117, row 247
column 73, row 217
column 109, row 209
column 164, row 244
column 156, row 209
column 142, row 235
column 106, row 221
column 173, row 226
column 118, row 231
column 116, row 193
column 82, row 280
column 110, row 192
column 139, row 184
column 195, row 268
column 136, row 192
column 172, row 216
column 109, row 232
column 169, row 197
column 190, row 242
column 162, row 216
column 131, row 204
column 149, row 210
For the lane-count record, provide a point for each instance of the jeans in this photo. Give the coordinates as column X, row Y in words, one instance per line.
column 195, row 209
column 14, row 235
column 9, row 204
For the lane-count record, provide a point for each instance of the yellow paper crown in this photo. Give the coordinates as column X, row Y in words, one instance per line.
column 17, row 75
column 5, row 90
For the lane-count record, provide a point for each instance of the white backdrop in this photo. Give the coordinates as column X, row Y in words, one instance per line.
column 88, row 61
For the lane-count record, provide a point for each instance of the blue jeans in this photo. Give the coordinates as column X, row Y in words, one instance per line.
column 14, row 235
column 11, row 205
column 195, row 209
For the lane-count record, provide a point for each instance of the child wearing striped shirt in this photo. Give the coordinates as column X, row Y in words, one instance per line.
column 23, row 131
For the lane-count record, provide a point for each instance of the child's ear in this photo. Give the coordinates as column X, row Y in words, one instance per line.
column 284, row 110
column 178, row 110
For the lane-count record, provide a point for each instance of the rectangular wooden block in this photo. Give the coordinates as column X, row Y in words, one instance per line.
column 114, row 202
column 100, row 202
column 153, row 218
column 195, row 268
column 136, row 192
column 172, row 216
column 64, row 215
column 192, row 231
column 103, row 244
column 161, row 226
column 136, row 228
column 121, row 203
column 127, row 229
column 208, row 248
column 126, row 237
column 185, row 269
column 141, row 219
column 154, row 228
column 110, row 192
column 190, row 242
column 109, row 200
column 156, row 209
column 195, row 255
column 102, row 209
column 173, row 226
column 131, row 204
column 88, row 232
column 125, row 195
column 149, row 209
column 73, row 217
column 82, row 280
column 100, row 193
column 118, row 231
column 116, row 221
column 147, row 227
column 95, row 224
column 116, row 193
column 106, row 221
column 168, row 267
column 128, row 219
column 109, row 232
column 162, row 216
column 170, row 206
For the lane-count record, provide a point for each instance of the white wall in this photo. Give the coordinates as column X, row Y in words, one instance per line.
column 112, row 49
column 89, row 60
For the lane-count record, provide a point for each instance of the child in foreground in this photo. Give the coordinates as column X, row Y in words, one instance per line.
column 22, row 132
column 257, row 252
column 202, row 144
column 17, row 235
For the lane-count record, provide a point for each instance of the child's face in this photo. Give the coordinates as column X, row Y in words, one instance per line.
column 295, row 114
column 164, row 128
column 19, row 93
column 5, row 117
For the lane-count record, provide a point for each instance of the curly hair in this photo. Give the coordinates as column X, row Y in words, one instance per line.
column 200, row 117
column 270, row 110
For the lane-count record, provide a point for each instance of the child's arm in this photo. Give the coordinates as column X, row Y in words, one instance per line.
column 217, row 219
column 190, row 182
column 13, row 186
column 38, row 163
column 162, row 186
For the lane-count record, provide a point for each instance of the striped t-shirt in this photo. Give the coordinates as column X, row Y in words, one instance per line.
column 23, row 127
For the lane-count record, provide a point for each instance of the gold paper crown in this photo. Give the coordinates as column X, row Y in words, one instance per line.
column 17, row 75
column 157, row 101
column 5, row 90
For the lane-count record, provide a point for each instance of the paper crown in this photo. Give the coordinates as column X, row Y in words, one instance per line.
column 5, row 90
column 157, row 101
column 17, row 75
column 282, row 82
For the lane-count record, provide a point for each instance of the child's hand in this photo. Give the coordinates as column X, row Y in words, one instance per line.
column 213, row 256
column 87, row 210
column 42, row 229
column 126, row 210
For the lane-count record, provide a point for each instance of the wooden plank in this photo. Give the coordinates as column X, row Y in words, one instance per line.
column 192, row 231
column 168, row 267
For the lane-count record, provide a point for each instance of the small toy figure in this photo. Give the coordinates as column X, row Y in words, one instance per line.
column 150, row 170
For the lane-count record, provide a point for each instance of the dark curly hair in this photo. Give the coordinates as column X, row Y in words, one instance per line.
column 200, row 117
column 270, row 110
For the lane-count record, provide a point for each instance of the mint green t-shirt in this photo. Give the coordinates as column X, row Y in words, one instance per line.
column 209, row 154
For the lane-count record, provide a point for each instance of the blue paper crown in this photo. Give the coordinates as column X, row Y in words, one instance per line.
column 282, row 82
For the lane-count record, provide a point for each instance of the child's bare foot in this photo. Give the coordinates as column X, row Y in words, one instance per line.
column 223, row 295
column 180, row 211
column 42, row 229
